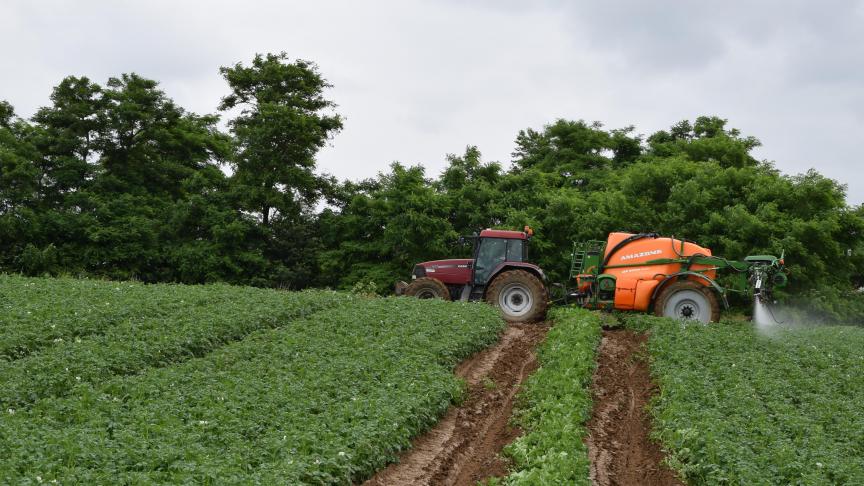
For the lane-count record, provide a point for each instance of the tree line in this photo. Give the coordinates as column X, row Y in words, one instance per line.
column 117, row 181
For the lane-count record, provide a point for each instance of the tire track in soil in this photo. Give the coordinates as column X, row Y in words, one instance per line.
column 464, row 446
column 619, row 446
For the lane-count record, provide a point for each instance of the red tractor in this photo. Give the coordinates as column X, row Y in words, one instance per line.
column 499, row 273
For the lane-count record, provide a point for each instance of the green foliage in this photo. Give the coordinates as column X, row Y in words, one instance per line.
column 556, row 404
column 384, row 227
column 37, row 312
column 740, row 407
column 38, row 261
column 827, row 305
column 575, row 181
column 125, row 184
column 117, row 329
column 326, row 399
column 282, row 125
column 367, row 288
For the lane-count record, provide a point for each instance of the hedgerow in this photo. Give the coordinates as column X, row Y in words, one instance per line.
column 327, row 399
column 740, row 407
column 556, row 403
column 177, row 323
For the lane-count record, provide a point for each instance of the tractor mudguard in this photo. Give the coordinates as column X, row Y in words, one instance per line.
column 518, row 265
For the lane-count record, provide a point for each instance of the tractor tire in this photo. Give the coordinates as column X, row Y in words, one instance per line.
column 427, row 288
column 519, row 295
column 687, row 300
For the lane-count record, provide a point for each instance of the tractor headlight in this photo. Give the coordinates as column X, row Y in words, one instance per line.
column 419, row 272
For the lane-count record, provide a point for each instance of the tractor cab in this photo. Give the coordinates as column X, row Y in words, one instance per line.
column 492, row 248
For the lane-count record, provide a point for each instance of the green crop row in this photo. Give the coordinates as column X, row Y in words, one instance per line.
column 39, row 313
column 740, row 406
column 327, row 400
column 556, row 403
column 212, row 316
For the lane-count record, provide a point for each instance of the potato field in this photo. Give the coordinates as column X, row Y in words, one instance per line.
column 737, row 406
column 109, row 382
column 126, row 383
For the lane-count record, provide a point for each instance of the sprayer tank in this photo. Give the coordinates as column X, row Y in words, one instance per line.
column 635, row 278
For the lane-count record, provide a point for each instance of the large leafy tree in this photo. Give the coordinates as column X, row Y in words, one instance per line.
column 69, row 130
column 148, row 144
column 149, row 150
column 19, row 176
column 19, row 189
column 284, row 120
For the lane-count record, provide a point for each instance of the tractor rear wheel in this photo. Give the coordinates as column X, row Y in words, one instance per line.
column 427, row 288
column 687, row 300
column 519, row 295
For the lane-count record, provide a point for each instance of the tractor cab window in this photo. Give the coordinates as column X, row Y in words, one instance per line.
column 491, row 252
column 515, row 251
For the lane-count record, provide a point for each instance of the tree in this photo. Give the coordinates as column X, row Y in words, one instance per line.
column 68, row 131
column 19, row 184
column 707, row 139
column 284, row 120
column 472, row 190
column 19, row 175
column 149, row 145
column 383, row 227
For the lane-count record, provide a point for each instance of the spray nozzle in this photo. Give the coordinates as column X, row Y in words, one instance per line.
column 761, row 281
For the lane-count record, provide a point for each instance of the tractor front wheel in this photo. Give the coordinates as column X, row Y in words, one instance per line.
column 427, row 288
column 687, row 300
column 519, row 295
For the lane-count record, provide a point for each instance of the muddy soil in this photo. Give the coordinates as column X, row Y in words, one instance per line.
column 464, row 446
column 619, row 447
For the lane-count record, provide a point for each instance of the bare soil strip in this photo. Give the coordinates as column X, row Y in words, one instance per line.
column 619, row 447
column 464, row 446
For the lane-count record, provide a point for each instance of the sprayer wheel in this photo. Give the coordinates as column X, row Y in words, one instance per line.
column 688, row 300
column 427, row 288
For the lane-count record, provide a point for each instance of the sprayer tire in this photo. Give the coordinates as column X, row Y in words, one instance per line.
column 688, row 296
column 519, row 295
column 427, row 288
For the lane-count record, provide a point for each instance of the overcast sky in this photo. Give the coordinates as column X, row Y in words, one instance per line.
column 419, row 79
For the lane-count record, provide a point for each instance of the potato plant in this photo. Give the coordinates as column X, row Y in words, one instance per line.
column 326, row 399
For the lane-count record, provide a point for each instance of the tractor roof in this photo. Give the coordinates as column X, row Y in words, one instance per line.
column 490, row 233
